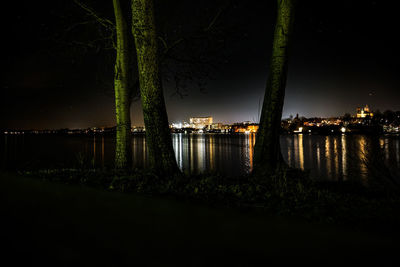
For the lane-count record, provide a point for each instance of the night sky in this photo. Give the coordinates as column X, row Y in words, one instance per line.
column 344, row 54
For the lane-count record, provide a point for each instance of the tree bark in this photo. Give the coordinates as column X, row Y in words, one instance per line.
column 267, row 152
column 158, row 135
column 123, row 147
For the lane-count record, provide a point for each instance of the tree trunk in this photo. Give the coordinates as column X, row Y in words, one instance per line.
column 267, row 152
column 158, row 135
column 123, row 147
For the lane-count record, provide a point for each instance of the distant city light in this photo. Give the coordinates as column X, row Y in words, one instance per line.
column 363, row 120
column 300, row 130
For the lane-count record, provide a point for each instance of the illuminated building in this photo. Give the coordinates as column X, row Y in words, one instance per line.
column 300, row 130
column 364, row 112
column 245, row 128
column 216, row 126
column 201, row 122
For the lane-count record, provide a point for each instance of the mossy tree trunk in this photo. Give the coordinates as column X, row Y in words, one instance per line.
column 158, row 135
column 267, row 152
column 123, row 147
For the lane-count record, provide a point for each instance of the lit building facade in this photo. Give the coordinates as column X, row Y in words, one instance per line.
column 216, row 126
column 245, row 128
column 364, row 112
column 201, row 122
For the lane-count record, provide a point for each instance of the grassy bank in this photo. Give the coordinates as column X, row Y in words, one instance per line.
column 53, row 223
column 289, row 193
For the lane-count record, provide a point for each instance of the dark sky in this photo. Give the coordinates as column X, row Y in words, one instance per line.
column 344, row 54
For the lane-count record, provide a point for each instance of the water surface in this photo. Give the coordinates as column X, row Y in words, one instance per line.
column 332, row 157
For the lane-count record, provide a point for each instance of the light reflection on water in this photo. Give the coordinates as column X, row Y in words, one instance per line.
column 301, row 152
column 344, row 155
column 318, row 159
column 363, row 156
column 328, row 157
column 397, row 149
column 331, row 157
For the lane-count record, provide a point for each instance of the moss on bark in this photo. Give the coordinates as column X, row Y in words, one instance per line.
column 123, row 147
column 158, row 136
column 267, row 153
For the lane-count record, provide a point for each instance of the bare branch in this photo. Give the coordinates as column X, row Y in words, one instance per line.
column 79, row 24
column 198, row 35
column 163, row 42
column 214, row 20
column 103, row 21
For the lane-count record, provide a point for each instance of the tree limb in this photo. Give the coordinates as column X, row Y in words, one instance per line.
column 104, row 22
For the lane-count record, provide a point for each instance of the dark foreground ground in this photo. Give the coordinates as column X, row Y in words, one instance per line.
column 49, row 223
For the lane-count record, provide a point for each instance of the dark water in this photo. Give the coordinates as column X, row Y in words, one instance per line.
column 327, row 157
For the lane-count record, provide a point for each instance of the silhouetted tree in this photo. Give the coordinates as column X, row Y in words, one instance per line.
column 397, row 117
column 124, row 89
column 389, row 116
column 176, row 64
column 122, row 74
column 158, row 136
column 347, row 117
column 267, row 152
column 378, row 117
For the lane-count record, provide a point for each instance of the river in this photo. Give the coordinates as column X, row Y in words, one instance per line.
column 332, row 157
